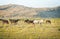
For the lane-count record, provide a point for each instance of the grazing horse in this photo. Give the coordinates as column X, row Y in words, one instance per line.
column 28, row 21
column 14, row 21
column 38, row 21
column 48, row 21
column 41, row 21
column 4, row 21
column 35, row 22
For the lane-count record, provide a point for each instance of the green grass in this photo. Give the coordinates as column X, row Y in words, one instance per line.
column 29, row 31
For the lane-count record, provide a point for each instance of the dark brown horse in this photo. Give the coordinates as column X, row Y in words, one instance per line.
column 28, row 21
column 4, row 21
column 14, row 21
column 48, row 21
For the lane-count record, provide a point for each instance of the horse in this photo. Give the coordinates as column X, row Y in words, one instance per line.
column 35, row 21
column 38, row 21
column 28, row 21
column 41, row 21
column 14, row 21
column 48, row 21
column 4, row 21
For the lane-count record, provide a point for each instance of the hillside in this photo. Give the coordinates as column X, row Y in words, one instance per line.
column 16, row 11
column 50, row 13
column 12, row 10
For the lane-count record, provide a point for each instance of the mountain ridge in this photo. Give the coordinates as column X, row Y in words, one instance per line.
column 12, row 10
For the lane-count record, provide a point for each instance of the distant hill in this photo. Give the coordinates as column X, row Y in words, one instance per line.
column 50, row 13
column 17, row 11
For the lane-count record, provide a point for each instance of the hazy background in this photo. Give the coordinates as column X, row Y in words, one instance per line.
column 32, row 3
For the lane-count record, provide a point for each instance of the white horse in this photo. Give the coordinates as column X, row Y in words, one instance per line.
column 38, row 21
column 41, row 21
column 35, row 21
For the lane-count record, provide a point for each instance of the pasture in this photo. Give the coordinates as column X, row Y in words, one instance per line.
column 24, row 30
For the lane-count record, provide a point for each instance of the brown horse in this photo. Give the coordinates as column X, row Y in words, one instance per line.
column 28, row 21
column 14, row 21
column 4, row 21
column 48, row 21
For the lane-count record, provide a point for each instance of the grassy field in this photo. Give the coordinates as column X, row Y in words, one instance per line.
column 29, row 31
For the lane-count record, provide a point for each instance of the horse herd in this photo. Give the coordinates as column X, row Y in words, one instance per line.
column 15, row 21
column 38, row 21
column 5, row 21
